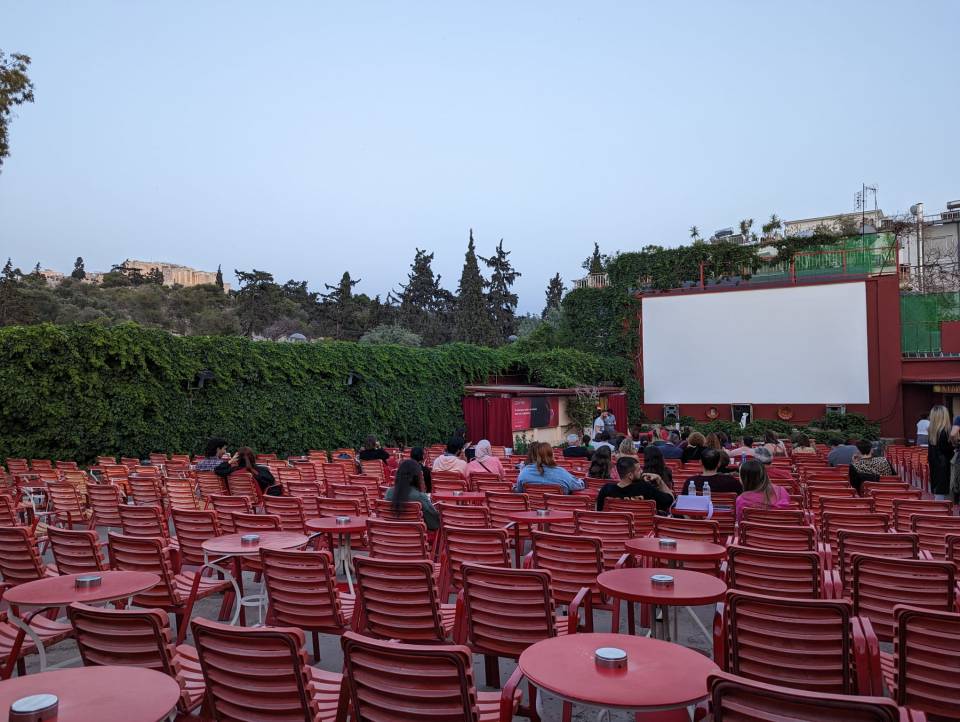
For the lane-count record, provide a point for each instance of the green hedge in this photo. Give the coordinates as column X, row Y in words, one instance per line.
column 72, row 392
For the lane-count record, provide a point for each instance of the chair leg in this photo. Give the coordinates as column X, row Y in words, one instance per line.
column 532, row 696
column 491, row 670
column 567, row 715
column 316, row 647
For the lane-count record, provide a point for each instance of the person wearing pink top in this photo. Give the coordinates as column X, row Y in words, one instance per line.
column 484, row 462
column 758, row 491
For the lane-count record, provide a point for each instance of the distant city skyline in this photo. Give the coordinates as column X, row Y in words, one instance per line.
column 306, row 139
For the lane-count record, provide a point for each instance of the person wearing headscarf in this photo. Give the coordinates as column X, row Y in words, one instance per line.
column 484, row 462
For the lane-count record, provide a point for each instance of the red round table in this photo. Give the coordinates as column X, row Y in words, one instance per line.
column 532, row 517
column 686, row 550
column 230, row 546
column 52, row 592
column 342, row 552
column 689, row 589
column 466, row 497
column 659, row 675
column 104, row 694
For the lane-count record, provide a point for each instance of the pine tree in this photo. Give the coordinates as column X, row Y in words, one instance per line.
column 555, row 291
column 472, row 323
column 218, row 281
column 501, row 302
column 594, row 264
column 424, row 307
column 36, row 271
column 79, row 272
column 340, row 304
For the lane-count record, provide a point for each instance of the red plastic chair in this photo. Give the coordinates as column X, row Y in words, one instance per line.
column 137, row 638
column 68, row 507
column 780, row 517
column 105, row 501
column 695, row 529
column 905, row 509
column 241, row 483
column 441, row 484
column 289, row 510
column 811, row 644
column 536, row 493
column 923, row 670
column 146, row 490
column 464, row 517
column 613, row 529
column 226, row 506
column 262, row 674
column 398, row 540
column 736, row 699
column 644, row 512
column 210, row 484
column 890, row 546
column 884, row 498
column 76, row 551
column 399, row 600
column 795, row 574
column 338, row 507
column 409, row 511
column 879, row 584
column 354, row 492
column 570, row 503
column 181, row 494
column 490, row 482
column 832, row 522
column 19, row 560
column 486, row 547
column 302, row 591
column 932, row 532
column 305, row 487
column 193, row 527
column 436, row 683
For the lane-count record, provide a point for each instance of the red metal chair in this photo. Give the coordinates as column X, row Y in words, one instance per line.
column 137, row 638
column 302, row 591
column 262, row 674
column 613, row 529
column 905, row 509
column 879, row 584
column 411, row 683
column 399, row 600
column 486, row 547
column 737, row 699
column 644, row 512
column 176, row 593
column 76, row 551
column 922, row 672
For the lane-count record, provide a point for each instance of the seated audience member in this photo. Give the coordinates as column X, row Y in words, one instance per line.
column 724, row 440
column 418, row 455
column 408, row 486
column 212, row 455
column 745, row 448
column 713, row 442
column 841, row 452
column 671, row 447
column 244, row 459
column 758, row 491
column 577, row 448
column 602, row 440
column 371, row 451
column 803, row 445
column 694, row 448
column 635, row 484
column 531, row 455
column 452, row 458
column 484, row 462
column 869, row 465
column 601, row 466
column 546, row 471
column 653, row 464
column 636, row 435
column 762, row 454
column 773, row 444
column 724, row 483
column 626, row 448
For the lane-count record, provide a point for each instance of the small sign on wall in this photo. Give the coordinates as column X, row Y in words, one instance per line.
column 534, row 412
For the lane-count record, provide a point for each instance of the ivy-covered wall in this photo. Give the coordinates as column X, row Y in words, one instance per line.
column 72, row 392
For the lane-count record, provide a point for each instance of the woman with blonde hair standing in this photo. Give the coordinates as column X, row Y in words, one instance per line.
column 939, row 452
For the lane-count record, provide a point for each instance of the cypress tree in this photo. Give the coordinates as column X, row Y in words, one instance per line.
column 79, row 272
column 472, row 322
column 555, row 291
column 219, row 279
column 501, row 301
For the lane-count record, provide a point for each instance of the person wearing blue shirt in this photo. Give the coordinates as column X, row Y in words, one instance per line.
column 546, row 471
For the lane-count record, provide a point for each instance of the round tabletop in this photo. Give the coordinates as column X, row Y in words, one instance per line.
column 685, row 550
column 329, row 524
column 659, row 675
column 105, row 694
column 453, row 496
column 62, row 590
column 231, row 543
column 688, row 589
column 533, row 517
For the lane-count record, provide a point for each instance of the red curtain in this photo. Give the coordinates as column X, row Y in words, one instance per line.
column 475, row 417
column 498, row 422
column 617, row 403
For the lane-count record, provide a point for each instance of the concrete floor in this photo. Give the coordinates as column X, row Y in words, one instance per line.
column 331, row 658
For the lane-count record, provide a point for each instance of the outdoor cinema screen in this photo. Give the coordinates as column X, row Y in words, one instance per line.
column 800, row 345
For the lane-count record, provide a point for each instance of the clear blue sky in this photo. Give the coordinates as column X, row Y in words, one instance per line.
column 306, row 138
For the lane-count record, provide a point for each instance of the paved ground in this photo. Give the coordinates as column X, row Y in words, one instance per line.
column 331, row 658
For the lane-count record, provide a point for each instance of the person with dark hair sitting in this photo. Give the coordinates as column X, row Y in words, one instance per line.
column 408, row 486
column 745, row 448
column 868, row 465
column 602, row 440
column 671, row 447
column 212, row 455
column 418, row 455
column 601, row 466
column 452, row 459
column 577, row 448
column 710, row 460
column 634, row 483
column 758, row 491
column 371, row 451
column 244, row 459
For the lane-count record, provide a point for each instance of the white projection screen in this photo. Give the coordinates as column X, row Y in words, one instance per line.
column 800, row 345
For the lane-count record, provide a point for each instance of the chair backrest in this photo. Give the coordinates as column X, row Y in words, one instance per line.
column 568, row 503
column 490, row 482
column 879, row 584
column 75, row 551
column 486, row 547
column 145, row 554
column 226, row 506
column 19, row 560
column 338, row 507
column 334, row 473
column 193, row 528
column 904, row 509
column 926, row 662
column 146, row 490
column 209, row 484
column 795, row 574
column 832, row 522
column 503, row 504
column 126, row 638
column 437, row 681
column 105, row 502
column 241, row 483
column 819, row 656
column 67, row 505
column 574, row 562
column 537, row 493
column 302, row 589
column 251, row 523
column 409, row 510
column 737, row 698
column 358, row 493
column 255, row 673
column 464, row 517
column 397, row 600
column 397, row 539
column 891, row 546
column 932, row 531
column 305, row 487
column 781, row 517
column 448, row 484
column 181, row 494
column 884, row 498
column 8, row 511
column 774, row 536
column 506, row 610
column 143, row 521
column 844, row 505
column 703, row 530
column 289, row 509
column 612, row 528
column 644, row 512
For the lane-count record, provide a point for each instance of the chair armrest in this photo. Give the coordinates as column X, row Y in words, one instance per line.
column 508, row 696
column 573, row 611
column 625, row 561
column 723, row 569
column 826, row 555
column 866, row 651
column 719, row 634
column 528, row 560
column 836, row 583
column 509, row 525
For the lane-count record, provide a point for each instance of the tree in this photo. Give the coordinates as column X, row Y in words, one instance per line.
column 771, row 227
column 391, row 333
column 258, row 300
column 745, row 225
column 694, row 234
column 501, row 301
column 79, row 272
column 472, row 323
column 594, row 264
column 341, row 306
column 424, row 306
column 555, row 291
column 219, row 279
column 155, row 276
column 13, row 306
column 15, row 89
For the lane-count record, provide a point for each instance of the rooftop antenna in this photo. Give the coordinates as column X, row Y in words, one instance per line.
column 861, row 198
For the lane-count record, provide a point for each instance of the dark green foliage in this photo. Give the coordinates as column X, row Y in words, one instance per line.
column 79, row 272
column 501, row 301
column 554, row 294
column 472, row 323
column 845, row 426
column 15, row 89
column 425, row 307
column 219, row 278
column 595, row 263
column 73, row 392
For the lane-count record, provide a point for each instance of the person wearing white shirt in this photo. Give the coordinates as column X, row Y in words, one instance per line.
column 923, row 430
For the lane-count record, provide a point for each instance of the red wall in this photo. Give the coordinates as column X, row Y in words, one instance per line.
column 950, row 336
